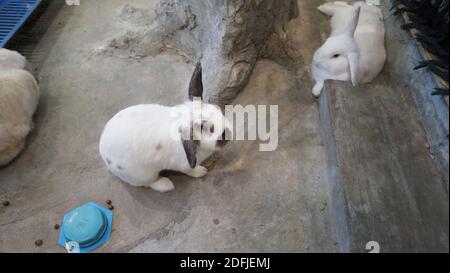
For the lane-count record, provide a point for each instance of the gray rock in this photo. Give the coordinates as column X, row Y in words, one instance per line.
column 228, row 37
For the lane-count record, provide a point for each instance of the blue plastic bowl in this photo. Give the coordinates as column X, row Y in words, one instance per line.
column 85, row 225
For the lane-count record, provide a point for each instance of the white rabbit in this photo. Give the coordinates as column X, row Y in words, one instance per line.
column 141, row 141
column 13, row 60
column 355, row 51
column 19, row 96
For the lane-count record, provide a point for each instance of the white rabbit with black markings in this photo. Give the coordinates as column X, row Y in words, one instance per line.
column 141, row 141
column 355, row 51
column 19, row 96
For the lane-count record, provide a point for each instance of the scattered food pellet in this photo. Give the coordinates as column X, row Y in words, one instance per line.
column 6, row 203
column 216, row 222
column 56, row 226
column 108, row 202
column 111, row 207
column 39, row 242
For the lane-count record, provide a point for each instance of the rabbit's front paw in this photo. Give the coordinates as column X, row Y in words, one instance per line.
column 197, row 172
column 163, row 185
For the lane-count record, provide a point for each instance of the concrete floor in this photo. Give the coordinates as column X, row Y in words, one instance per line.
column 251, row 201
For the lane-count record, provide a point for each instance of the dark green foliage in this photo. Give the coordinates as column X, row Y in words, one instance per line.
column 430, row 18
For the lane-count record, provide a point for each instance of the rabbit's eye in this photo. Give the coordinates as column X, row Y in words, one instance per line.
column 336, row 56
column 211, row 129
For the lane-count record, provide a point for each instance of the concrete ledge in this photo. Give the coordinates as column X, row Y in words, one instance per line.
column 433, row 110
column 385, row 181
column 338, row 203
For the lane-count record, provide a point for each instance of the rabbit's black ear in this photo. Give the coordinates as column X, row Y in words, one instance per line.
column 196, row 85
column 190, row 146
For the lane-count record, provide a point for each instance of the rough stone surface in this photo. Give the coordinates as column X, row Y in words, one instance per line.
column 227, row 36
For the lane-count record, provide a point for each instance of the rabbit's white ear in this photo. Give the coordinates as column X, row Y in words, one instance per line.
column 351, row 28
column 196, row 84
column 330, row 8
column 190, row 146
column 353, row 60
column 327, row 9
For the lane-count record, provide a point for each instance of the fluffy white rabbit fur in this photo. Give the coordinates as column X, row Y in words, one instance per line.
column 141, row 141
column 355, row 51
column 19, row 96
column 13, row 60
